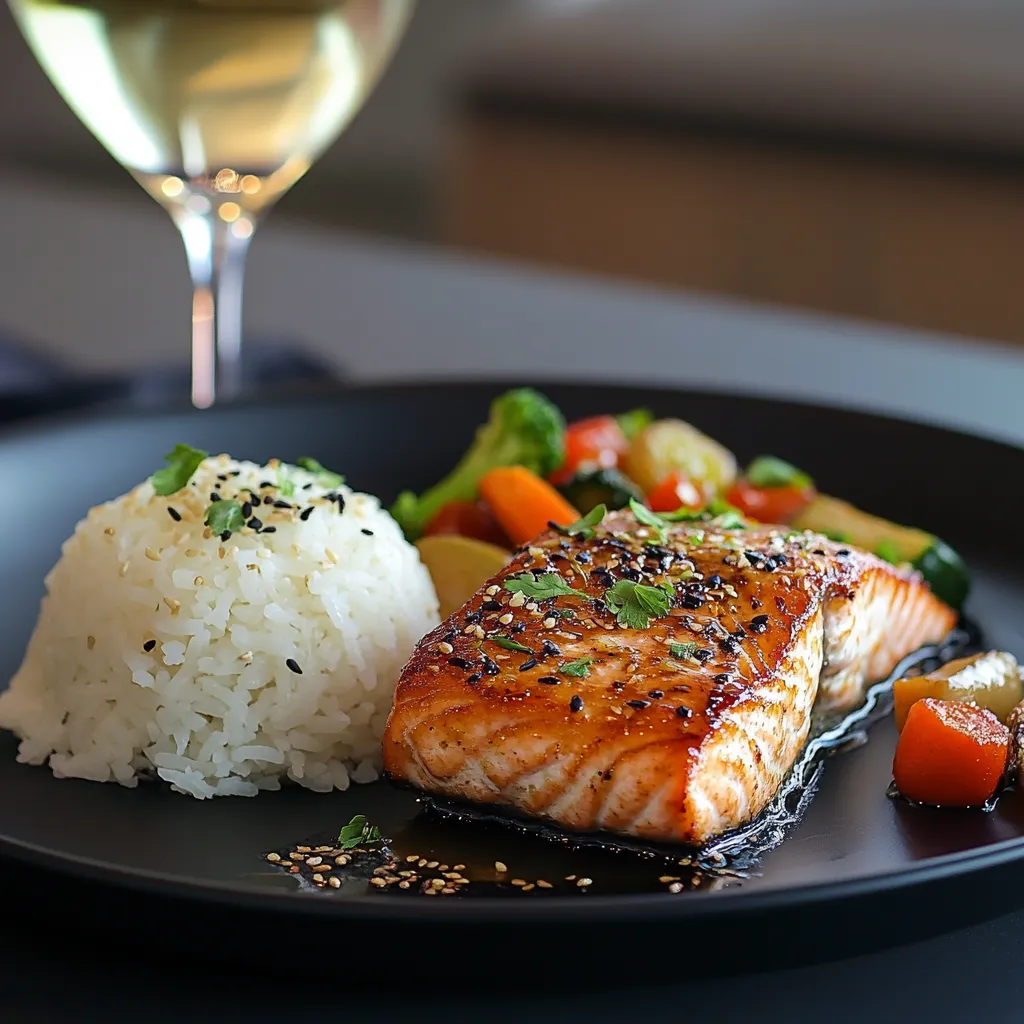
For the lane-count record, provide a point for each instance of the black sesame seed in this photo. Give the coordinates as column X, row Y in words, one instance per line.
column 738, row 634
column 629, row 573
column 576, row 704
column 491, row 606
column 583, row 557
column 759, row 623
column 473, row 617
column 266, row 483
column 174, row 514
column 517, row 627
column 246, row 510
column 638, row 704
column 214, row 496
column 703, row 654
column 528, row 664
column 818, row 551
column 683, row 711
column 235, row 472
column 781, row 559
column 755, row 603
column 722, row 678
column 714, row 581
column 474, row 678
column 692, row 601
column 754, row 557
column 269, row 529
column 281, row 503
column 293, row 665
column 549, row 680
column 255, row 524
column 843, row 552
column 729, row 645
column 222, row 476
column 226, row 535
column 268, row 499
column 491, row 668
column 458, row 663
column 618, row 685
column 341, row 504
column 307, row 512
column 656, row 694
column 548, row 649
column 149, row 645
column 598, row 605
column 307, row 487
column 366, row 532
column 781, row 604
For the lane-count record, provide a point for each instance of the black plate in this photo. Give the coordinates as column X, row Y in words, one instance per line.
column 855, row 857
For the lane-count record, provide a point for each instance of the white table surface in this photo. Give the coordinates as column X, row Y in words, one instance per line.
column 100, row 281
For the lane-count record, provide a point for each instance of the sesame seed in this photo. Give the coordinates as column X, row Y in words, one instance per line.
column 335, row 882
column 174, row 513
column 676, row 887
column 331, row 556
column 313, row 861
column 422, row 862
column 549, row 680
column 110, row 531
column 123, row 570
column 492, row 590
column 506, row 618
column 273, row 857
column 401, row 885
column 198, row 581
column 247, row 657
column 549, row 623
column 317, row 877
column 462, row 867
column 518, row 600
column 500, row 867
column 570, row 878
column 576, row 704
column 528, row 888
column 683, row 711
column 584, row 882
column 293, row 665
column 543, row 884
column 90, row 642
column 519, row 881
column 226, row 535
column 307, row 512
column 445, row 648
column 437, row 883
column 152, row 555
column 214, row 496
column 379, row 882
column 366, row 532
column 149, row 645
column 668, row 878
column 412, row 858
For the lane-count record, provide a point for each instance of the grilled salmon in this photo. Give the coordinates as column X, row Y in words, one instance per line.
column 653, row 681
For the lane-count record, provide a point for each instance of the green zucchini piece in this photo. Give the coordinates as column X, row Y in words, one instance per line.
column 938, row 563
column 601, row 486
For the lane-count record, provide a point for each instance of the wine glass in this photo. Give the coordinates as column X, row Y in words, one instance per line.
column 217, row 107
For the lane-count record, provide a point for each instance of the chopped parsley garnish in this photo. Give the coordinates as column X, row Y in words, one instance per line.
column 579, row 668
column 285, row 484
column 730, row 520
column 635, row 604
column 358, row 832
column 890, row 552
column 181, row 464
column 697, row 537
column 225, row 516
column 540, row 586
column 648, row 518
column 686, row 650
column 632, row 422
column 509, row 645
column 584, row 528
column 769, row 472
column 324, row 476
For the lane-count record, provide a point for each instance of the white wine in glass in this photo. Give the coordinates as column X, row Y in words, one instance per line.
column 217, row 107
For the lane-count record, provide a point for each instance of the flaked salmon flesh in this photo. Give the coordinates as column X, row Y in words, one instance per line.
column 673, row 730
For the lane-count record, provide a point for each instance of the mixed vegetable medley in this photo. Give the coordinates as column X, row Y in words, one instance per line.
column 961, row 728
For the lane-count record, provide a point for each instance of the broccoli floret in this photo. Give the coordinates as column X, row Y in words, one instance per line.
column 524, row 429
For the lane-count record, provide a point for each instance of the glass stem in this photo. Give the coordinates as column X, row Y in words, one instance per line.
column 216, row 251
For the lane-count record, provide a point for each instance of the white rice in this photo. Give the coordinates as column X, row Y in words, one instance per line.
column 213, row 708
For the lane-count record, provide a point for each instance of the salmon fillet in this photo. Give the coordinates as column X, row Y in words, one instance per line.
column 665, row 690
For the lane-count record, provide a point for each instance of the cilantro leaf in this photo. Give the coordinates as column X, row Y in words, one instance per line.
column 358, row 832
column 509, row 645
column 648, row 518
column 635, row 604
column 324, row 476
column 540, row 586
column 769, row 472
column 181, row 464
column 225, row 516
column 579, row 668
column 686, row 650
column 632, row 422
column 584, row 528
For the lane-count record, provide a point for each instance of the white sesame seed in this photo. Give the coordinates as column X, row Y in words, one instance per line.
column 246, row 657
column 317, row 877
column 492, row 590
column 313, row 861
column 549, row 623
column 478, row 632
column 500, row 867
column 668, row 878
column 506, row 618
column 676, row 887
column 518, row 600
column 153, row 556
column 198, row 581
column 468, row 630
column 123, row 570
column 379, row 882
column 584, row 882
column 532, row 606
column 445, row 648
column 334, row 881
column 273, row 856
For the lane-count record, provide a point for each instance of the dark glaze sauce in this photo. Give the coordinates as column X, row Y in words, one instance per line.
column 479, row 841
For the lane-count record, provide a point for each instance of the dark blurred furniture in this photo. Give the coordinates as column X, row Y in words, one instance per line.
column 854, row 156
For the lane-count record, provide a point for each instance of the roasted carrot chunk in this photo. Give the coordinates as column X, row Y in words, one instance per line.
column 523, row 503
column 950, row 754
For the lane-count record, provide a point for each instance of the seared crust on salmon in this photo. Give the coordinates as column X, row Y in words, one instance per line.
column 574, row 709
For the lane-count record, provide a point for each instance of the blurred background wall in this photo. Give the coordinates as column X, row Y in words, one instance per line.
column 862, row 157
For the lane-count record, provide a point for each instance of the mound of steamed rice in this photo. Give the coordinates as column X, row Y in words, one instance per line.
column 222, row 665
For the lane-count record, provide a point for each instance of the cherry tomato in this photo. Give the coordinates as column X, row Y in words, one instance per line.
column 467, row 519
column 768, row 504
column 594, row 443
column 675, row 491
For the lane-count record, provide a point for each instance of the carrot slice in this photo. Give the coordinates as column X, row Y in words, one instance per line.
column 950, row 754
column 523, row 503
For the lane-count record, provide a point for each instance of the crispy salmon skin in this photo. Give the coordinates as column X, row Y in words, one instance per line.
column 654, row 682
